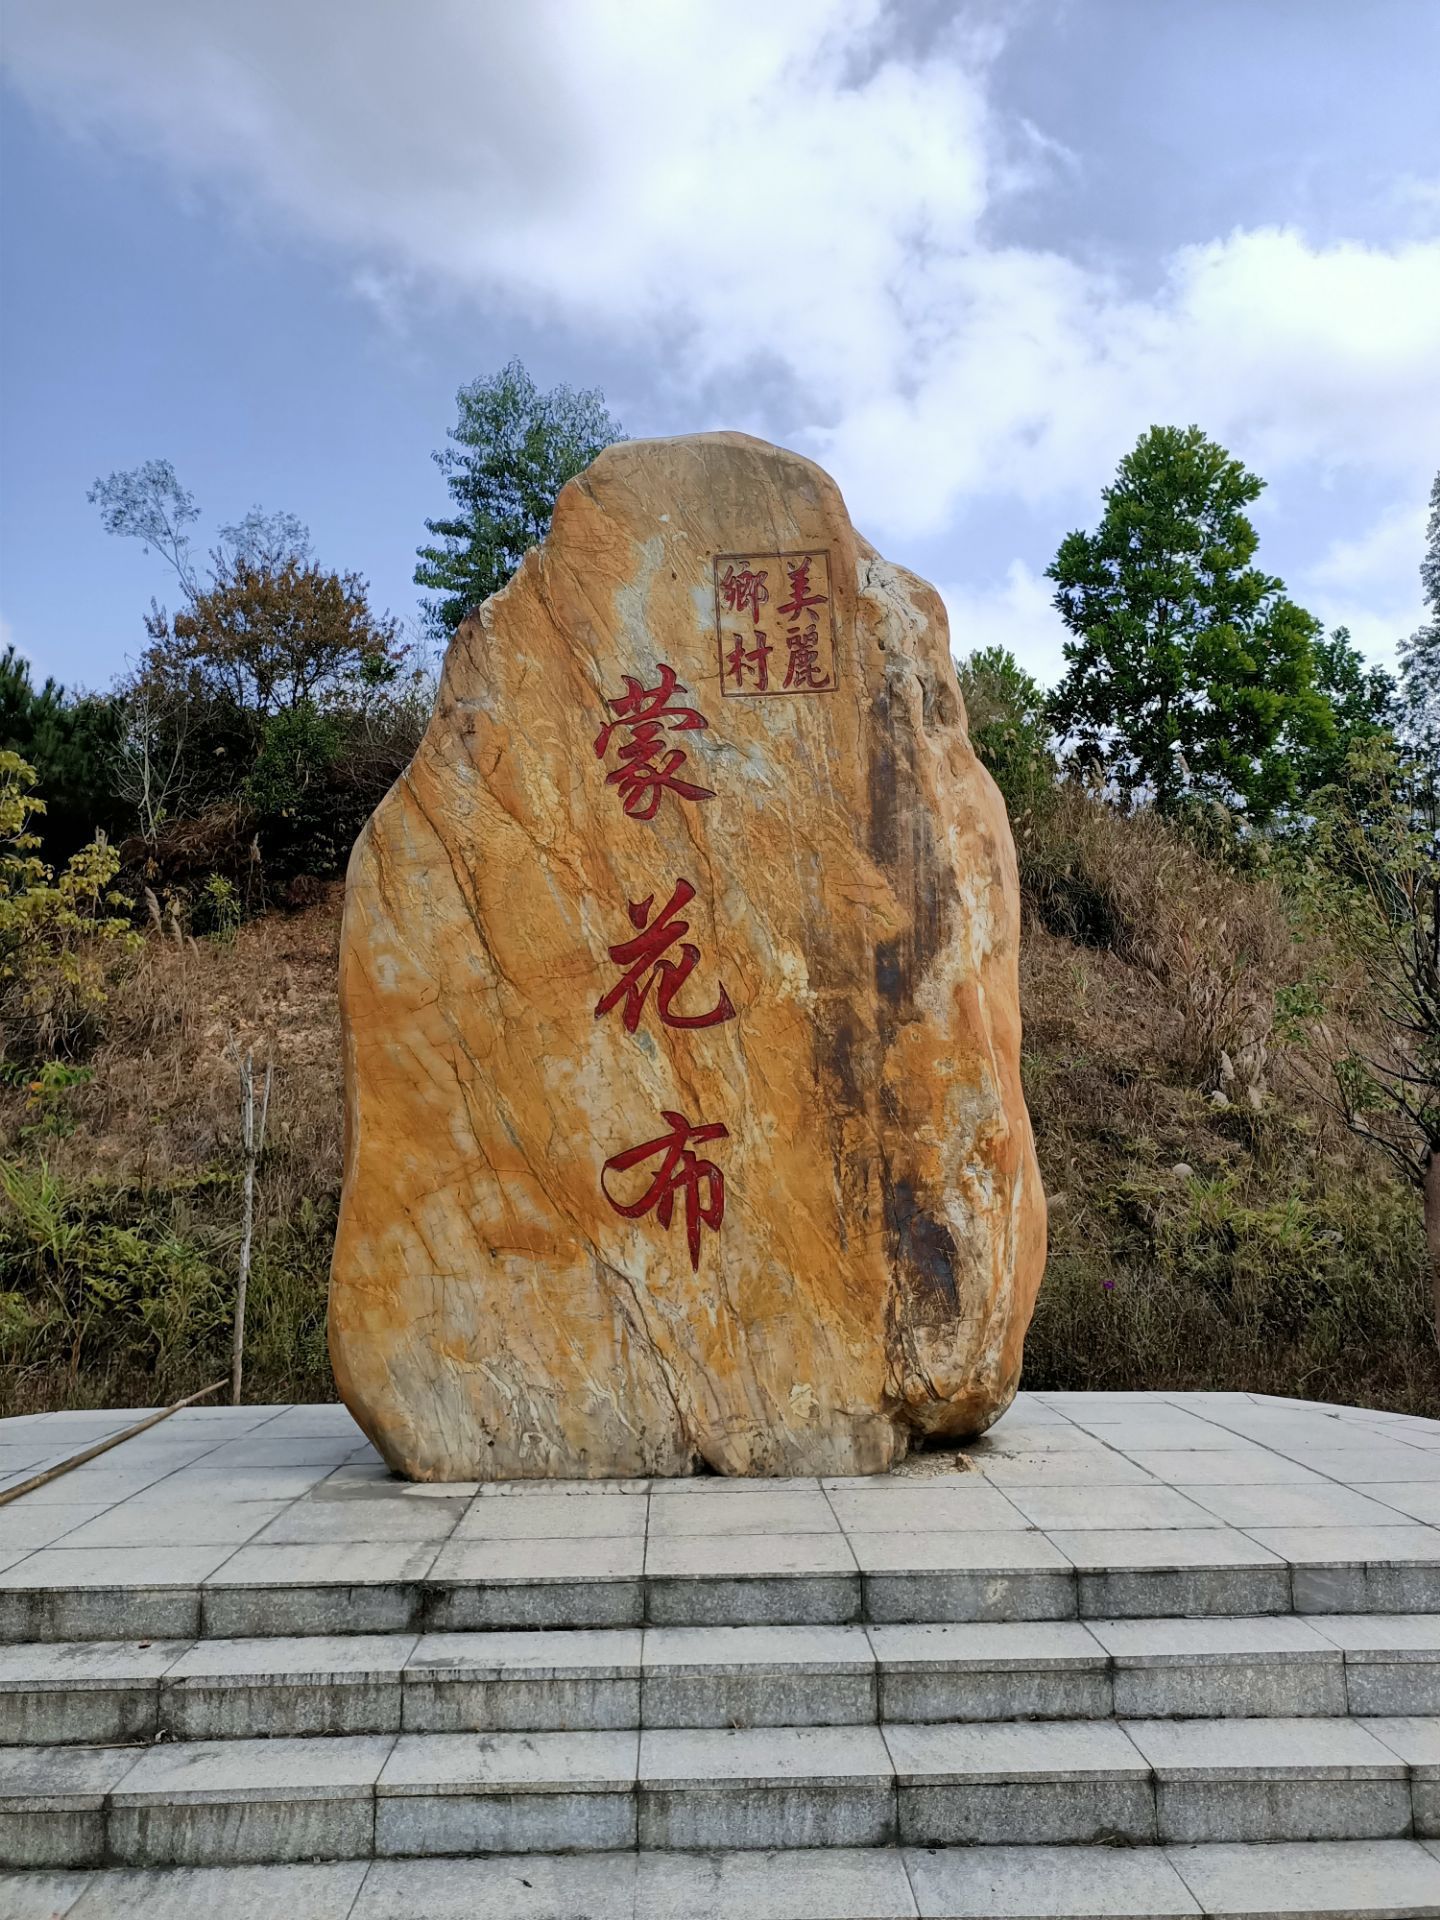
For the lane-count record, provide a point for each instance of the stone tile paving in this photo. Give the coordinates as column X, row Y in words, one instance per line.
column 973, row 1883
column 1115, row 1486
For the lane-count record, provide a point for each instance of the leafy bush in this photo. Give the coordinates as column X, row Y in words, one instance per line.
column 1006, row 712
column 61, row 935
column 1228, row 1281
column 215, row 910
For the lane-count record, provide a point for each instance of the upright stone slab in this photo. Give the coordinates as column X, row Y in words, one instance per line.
column 682, row 1041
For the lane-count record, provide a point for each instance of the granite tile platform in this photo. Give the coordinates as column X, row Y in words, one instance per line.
column 1142, row 1654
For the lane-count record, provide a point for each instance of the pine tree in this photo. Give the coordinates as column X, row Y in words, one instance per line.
column 513, row 449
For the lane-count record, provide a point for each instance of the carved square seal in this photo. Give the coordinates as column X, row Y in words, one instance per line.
column 774, row 623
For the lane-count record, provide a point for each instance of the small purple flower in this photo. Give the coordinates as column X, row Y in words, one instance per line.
column 1108, row 1285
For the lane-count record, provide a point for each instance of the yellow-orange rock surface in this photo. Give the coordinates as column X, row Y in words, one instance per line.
column 508, row 1299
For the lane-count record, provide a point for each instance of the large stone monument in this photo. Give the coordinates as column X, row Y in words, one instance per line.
column 682, row 1039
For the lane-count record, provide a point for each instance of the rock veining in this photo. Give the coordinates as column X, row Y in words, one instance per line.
column 680, row 996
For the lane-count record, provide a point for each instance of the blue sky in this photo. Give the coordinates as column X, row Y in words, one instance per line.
column 961, row 254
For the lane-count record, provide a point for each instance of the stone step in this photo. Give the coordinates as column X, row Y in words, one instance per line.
column 619, row 1679
column 232, row 1523
column 1075, row 1783
column 348, row 1585
column 1318, row 1880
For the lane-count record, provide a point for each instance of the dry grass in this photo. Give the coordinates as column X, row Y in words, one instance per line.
column 1213, row 946
column 152, row 1154
column 1285, row 1260
column 1253, row 1245
column 164, row 1093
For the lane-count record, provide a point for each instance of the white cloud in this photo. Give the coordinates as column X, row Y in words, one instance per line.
column 1371, row 583
column 1388, row 551
column 739, row 186
column 1015, row 613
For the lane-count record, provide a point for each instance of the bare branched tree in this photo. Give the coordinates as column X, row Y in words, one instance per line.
column 152, row 770
column 1376, row 1037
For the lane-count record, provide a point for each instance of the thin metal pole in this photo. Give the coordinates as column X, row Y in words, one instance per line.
column 103, row 1446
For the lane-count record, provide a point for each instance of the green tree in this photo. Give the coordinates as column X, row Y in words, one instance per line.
column 1005, row 708
column 513, row 448
column 69, row 740
column 1191, row 675
column 1362, row 703
column 268, row 711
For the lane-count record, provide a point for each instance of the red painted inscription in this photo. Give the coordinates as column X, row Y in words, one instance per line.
column 741, row 588
column 754, row 660
column 647, row 771
column 700, row 1182
column 646, row 965
column 801, row 599
column 806, row 616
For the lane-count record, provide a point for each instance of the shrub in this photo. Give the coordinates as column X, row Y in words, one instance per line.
column 122, row 1294
column 1006, row 712
column 1312, row 1283
column 61, row 935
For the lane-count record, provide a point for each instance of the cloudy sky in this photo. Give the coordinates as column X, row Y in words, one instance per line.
column 961, row 253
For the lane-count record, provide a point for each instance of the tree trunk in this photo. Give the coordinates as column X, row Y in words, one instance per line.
column 1430, row 1190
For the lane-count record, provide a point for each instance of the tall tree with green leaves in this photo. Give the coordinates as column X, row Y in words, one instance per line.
column 512, row 450
column 1362, row 703
column 1190, row 675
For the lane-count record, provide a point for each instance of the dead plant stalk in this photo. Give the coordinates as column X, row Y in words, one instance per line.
column 253, row 1143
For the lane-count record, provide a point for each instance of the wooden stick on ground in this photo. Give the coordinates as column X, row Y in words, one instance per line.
column 103, row 1446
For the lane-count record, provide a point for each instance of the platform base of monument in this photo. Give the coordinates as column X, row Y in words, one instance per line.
column 1132, row 1655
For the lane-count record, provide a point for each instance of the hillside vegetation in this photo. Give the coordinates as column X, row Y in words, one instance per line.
column 1228, row 830
column 1254, row 1244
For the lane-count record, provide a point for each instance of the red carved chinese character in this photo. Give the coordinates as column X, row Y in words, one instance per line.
column 647, row 775
column 801, row 599
column 646, row 966
column 745, row 589
column 756, row 658
column 803, row 667
column 680, row 1171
